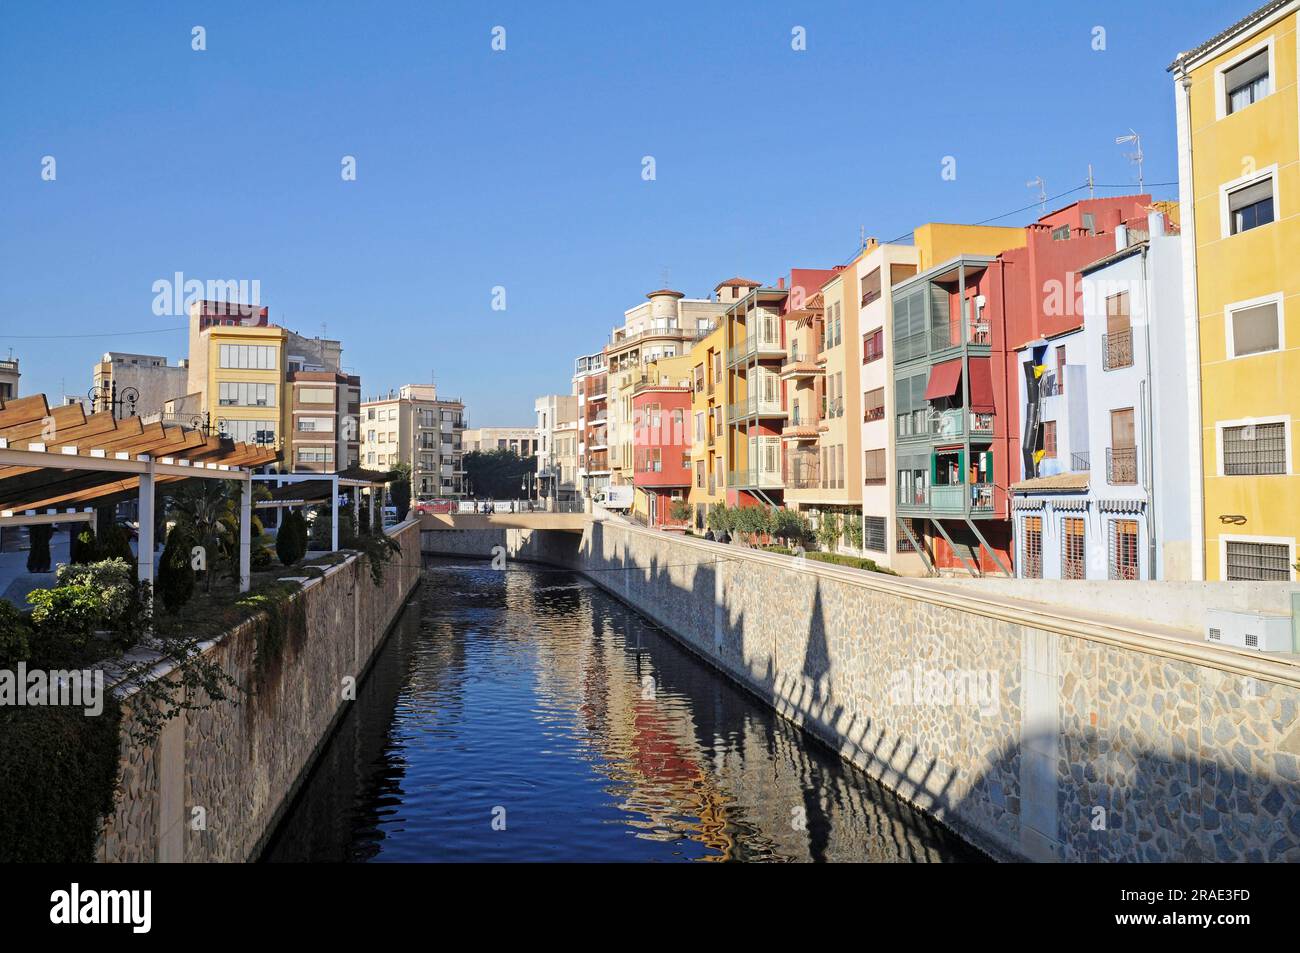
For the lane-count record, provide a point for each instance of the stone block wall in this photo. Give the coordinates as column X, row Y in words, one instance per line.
column 213, row 786
column 1033, row 734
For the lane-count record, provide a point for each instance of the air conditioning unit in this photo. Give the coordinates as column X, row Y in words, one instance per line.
column 1245, row 629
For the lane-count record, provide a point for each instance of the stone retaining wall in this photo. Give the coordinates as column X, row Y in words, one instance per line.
column 1032, row 734
column 213, row 786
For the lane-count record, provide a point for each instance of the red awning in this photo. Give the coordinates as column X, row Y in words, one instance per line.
column 981, row 385
column 944, row 379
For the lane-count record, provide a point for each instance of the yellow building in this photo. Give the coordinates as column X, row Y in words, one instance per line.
column 708, row 424
column 237, row 372
column 1239, row 178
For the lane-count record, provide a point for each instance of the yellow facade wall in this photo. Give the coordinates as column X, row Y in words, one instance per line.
column 937, row 242
column 704, row 401
column 1257, row 263
column 281, row 413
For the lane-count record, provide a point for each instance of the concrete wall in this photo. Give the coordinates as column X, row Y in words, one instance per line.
column 235, row 768
column 1032, row 734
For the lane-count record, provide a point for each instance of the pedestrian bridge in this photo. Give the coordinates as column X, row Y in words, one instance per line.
column 564, row 522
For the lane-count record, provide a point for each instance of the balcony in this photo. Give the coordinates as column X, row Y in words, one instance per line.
column 754, row 479
column 949, row 337
column 1121, row 466
column 799, row 365
column 755, row 407
column 948, row 424
column 952, row 499
column 1080, row 462
column 802, row 470
column 832, row 409
column 1117, row 350
column 799, row 430
column 755, row 348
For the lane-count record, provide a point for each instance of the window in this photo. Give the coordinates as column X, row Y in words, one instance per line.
column 250, row 431
column 256, row 357
column 873, row 467
column 315, row 455
column 315, row 424
column 874, row 537
column 1031, row 565
column 1049, row 439
column 1254, row 449
column 1256, row 561
column 873, row 345
column 1121, row 455
column 1073, row 565
column 317, row 395
column 1060, row 368
column 1123, row 549
column 1255, row 328
column 1117, row 345
column 1246, row 83
column 1061, row 234
column 1250, row 206
column 873, row 405
column 245, row 394
column 870, row 287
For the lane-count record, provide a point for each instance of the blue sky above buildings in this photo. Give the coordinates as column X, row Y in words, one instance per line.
column 523, row 168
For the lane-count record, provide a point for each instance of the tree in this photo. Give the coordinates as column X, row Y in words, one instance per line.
column 499, row 474
column 399, row 490
column 202, row 508
column 38, row 556
column 829, row 530
column 680, row 511
column 854, row 528
column 175, row 571
column 291, row 540
column 83, row 545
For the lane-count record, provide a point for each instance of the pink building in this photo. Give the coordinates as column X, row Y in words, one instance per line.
column 661, row 450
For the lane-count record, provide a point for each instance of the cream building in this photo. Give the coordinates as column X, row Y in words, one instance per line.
column 414, row 426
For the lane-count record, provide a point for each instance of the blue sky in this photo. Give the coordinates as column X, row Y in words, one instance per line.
column 522, row 168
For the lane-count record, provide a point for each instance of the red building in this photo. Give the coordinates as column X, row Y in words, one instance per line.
column 661, row 450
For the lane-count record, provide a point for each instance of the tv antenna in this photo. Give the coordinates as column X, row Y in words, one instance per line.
column 1135, row 156
column 1041, row 184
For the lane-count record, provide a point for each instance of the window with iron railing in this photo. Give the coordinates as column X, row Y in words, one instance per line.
column 1031, row 548
column 1122, row 549
column 873, row 345
column 873, row 405
column 1253, row 561
column 1254, row 449
column 1073, row 551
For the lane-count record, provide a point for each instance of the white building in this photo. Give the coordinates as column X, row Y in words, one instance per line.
column 557, row 447
column 414, row 426
column 1105, row 416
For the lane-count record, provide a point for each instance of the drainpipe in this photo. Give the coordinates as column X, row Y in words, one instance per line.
column 1147, row 425
column 1191, row 322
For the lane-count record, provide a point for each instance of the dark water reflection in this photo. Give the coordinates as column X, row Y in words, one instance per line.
column 532, row 698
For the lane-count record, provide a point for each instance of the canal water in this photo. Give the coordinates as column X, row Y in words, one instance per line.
column 525, row 715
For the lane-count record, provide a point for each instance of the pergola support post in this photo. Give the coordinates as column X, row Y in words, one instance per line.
column 246, row 535
column 334, row 512
column 144, row 538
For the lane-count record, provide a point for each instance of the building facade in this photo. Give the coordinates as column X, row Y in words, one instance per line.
column 709, row 430
column 146, row 378
column 661, row 448
column 413, row 425
column 324, row 414
column 557, row 447
column 1238, row 117
column 591, row 388
column 522, row 441
column 9, row 375
column 1110, row 499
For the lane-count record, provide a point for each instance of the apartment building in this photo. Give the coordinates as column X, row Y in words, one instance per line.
column 557, row 447
column 519, row 440
column 1110, row 498
column 957, row 326
column 413, row 425
column 667, row 324
column 879, row 268
column 1238, row 116
column 236, row 379
column 591, row 388
column 324, row 414
column 662, row 468
column 709, row 412
column 9, row 375
column 137, row 385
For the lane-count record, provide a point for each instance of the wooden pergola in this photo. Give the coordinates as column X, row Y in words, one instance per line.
column 306, row 489
column 57, row 465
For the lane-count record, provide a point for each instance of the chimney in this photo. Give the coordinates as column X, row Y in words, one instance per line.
column 1156, row 224
column 780, row 283
column 1121, row 236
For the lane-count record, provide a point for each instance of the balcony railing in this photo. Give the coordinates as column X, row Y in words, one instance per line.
column 949, row 423
column 1052, row 386
column 1121, row 466
column 1080, row 462
column 761, row 479
column 1117, row 350
column 755, row 406
column 832, row 407
column 943, row 338
column 802, row 471
column 752, row 347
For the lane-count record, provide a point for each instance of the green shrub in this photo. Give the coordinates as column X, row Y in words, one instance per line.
column 260, row 559
column 69, row 613
column 112, row 579
column 15, row 635
column 291, row 540
column 175, row 572
column 114, row 543
column 84, row 547
column 38, row 556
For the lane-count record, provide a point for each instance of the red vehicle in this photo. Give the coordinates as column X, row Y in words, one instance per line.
column 435, row 506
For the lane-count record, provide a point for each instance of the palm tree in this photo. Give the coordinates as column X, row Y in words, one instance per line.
column 209, row 511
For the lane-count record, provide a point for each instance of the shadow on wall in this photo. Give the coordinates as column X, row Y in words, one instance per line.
column 1175, row 767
